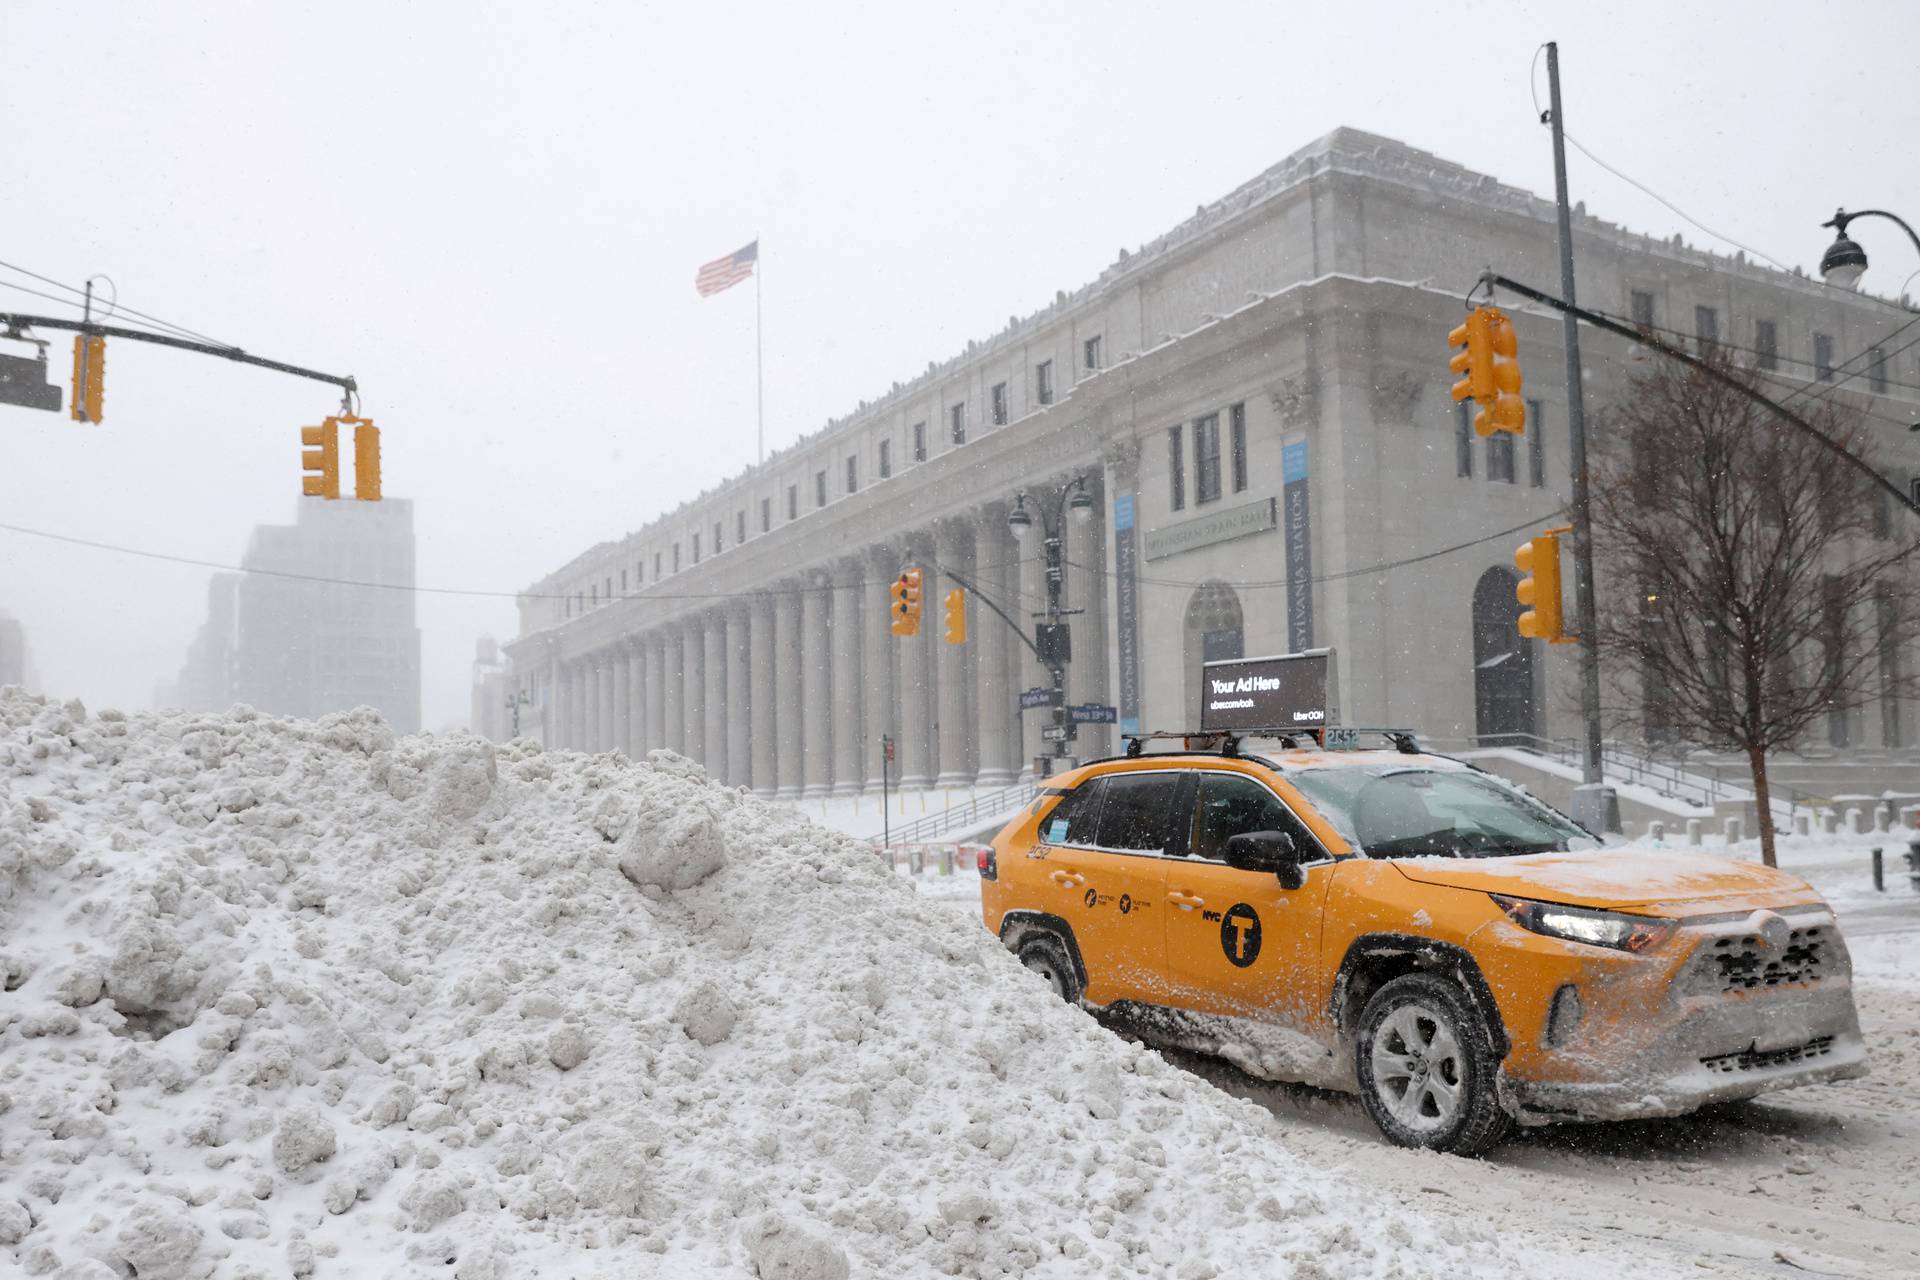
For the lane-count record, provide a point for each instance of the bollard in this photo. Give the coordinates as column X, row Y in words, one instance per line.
column 946, row 859
column 1656, row 831
column 1803, row 824
column 1695, row 827
column 916, row 859
column 1829, row 822
column 1882, row 818
column 1734, row 830
column 1856, row 822
column 1879, row 871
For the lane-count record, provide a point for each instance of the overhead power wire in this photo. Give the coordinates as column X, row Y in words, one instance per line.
column 117, row 308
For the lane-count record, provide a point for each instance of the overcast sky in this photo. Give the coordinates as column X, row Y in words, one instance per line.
column 491, row 215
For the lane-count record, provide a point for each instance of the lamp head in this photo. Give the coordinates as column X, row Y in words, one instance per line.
column 1018, row 521
column 1844, row 261
column 1081, row 505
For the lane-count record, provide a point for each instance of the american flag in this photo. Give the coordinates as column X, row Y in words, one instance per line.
column 724, row 273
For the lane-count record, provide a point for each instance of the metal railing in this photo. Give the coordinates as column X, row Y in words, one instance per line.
column 983, row 806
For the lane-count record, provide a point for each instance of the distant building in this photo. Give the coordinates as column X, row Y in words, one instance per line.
column 491, row 716
column 321, row 619
column 13, row 651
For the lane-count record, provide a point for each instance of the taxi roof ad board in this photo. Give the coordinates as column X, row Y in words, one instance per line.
column 1286, row 691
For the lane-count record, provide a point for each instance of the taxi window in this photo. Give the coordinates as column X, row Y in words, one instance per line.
column 1074, row 819
column 1136, row 812
column 1230, row 805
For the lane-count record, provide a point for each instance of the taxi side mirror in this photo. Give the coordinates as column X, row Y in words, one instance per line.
column 1272, row 851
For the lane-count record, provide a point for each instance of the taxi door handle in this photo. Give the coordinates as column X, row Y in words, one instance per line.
column 1067, row 879
column 1184, row 900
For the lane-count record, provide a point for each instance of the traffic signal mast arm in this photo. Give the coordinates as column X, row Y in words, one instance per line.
column 13, row 320
column 986, row 600
column 1491, row 279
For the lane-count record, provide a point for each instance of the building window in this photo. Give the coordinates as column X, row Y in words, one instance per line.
column 1766, row 345
column 999, row 402
column 1043, row 382
column 1640, row 304
column 957, row 420
column 886, row 459
column 1500, row 457
column 1823, row 357
column 1706, row 329
column 766, row 515
column 609, row 586
column 1882, row 515
column 853, row 473
column 716, row 537
column 593, row 597
column 919, row 442
column 676, row 557
column 1237, row 430
column 656, row 566
column 740, row 527
column 696, row 548
column 1462, row 442
column 1176, row 470
column 566, row 606
column 793, row 502
column 1206, row 459
column 639, row 572
column 623, row 582
column 1536, row 446
column 820, row 488
column 1877, row 369
column 1090, row 349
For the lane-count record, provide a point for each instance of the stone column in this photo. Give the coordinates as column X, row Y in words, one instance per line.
column 636, row 660
column 816, row 679
column 622, row 700
column 761, row 699
column 577, row 706
column 955, row 548
column 1033, row 594
column 713, row 630
column 878, row 701
column 672, row 724
column 553, row 706
column 912, row 661
column 739, row 645
column 656, row 658
column 596, row 671
column 1087, row 579
column 849, row 689
column 788, row 715
column 996, row 696
column 693, row 692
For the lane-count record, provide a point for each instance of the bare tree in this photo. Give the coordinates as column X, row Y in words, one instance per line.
column 1752, row 582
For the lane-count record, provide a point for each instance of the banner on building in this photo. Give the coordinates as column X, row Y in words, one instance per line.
column 1126, row 597
column 1298, row 520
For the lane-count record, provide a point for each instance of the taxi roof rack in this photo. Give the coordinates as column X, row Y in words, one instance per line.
column 1329, row 738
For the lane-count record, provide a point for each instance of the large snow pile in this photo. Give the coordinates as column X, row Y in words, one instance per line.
column 291, row 998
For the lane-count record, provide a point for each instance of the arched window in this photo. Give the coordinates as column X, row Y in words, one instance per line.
column 1213, row 631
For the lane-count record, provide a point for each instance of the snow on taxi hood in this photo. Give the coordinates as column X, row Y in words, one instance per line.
column 1612, row 878
column 288, row 997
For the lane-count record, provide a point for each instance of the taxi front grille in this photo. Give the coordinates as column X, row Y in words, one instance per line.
column 1747, row 963
column 1751, row 1059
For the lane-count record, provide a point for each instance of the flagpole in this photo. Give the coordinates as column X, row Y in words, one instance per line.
column 759, row 367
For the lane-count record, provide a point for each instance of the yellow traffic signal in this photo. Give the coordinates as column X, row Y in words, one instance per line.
column 89, row 377
column 320, row 459
column 906, row 603
column 1538, row 560
column 366, row 461
column 1508, row 412
column 956, row 616
column 1476, row 362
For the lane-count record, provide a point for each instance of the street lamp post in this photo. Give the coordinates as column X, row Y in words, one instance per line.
column 516, row 700
column 1845, row 261
column 1051, row 638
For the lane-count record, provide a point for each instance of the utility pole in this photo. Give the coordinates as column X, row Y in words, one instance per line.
column 1593, row 803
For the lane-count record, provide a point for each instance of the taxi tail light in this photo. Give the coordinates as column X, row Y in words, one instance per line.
column 988, row 863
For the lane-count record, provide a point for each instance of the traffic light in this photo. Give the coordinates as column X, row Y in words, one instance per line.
column 1476, row 362
column 906, row 603
column 956, row 616
column 89, row 377
column 366, row 461
column 1508, row 411
column 320, row 459
column 1538, row 560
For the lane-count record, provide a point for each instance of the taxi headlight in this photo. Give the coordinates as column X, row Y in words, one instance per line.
column 1613, row 929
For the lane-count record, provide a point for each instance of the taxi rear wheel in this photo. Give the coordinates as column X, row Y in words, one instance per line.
column 1426, row 1063
column 1045, row 955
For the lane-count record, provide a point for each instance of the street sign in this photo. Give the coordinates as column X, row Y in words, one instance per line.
column 886, row 748
column 1030, row 698
column 1093, row 713
column 1059, row 733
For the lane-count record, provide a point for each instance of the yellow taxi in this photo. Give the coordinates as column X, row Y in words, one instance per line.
column 1401, row 924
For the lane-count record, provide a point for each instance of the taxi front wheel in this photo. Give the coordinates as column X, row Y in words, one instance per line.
column 1045, row 955
column 1426, row 1063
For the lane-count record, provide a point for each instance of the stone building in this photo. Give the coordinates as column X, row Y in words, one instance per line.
column 1258, row 403
column 314, row 623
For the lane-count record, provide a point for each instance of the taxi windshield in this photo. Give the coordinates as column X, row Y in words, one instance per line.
column 1397, row 811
